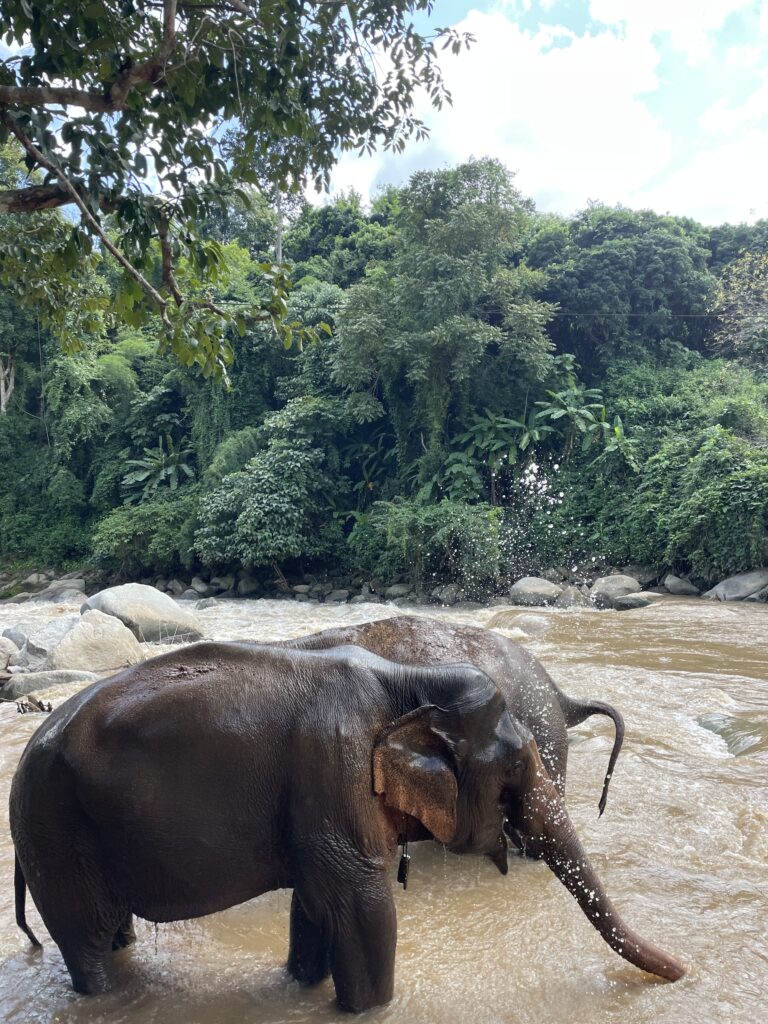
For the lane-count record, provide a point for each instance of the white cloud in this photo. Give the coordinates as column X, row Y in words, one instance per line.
column 721, row 117
column 726, row 183
column 565, row 112
column 688, row 24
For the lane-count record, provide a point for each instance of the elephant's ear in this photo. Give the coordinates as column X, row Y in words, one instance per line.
column 413, row 771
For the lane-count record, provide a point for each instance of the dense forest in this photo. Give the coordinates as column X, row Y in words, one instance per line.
column 488, row 391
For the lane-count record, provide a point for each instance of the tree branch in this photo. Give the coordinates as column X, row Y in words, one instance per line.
column 151, row 71
column 36, row 197
column 89, row 218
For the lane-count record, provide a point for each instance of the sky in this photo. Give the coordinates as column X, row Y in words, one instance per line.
column 657, row 104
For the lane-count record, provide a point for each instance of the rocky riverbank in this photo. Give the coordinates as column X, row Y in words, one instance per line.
column 115, row 623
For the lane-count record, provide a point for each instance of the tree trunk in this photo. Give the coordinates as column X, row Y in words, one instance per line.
column 7, row 382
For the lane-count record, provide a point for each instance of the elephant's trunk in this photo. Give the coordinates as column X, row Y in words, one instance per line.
column 542, row 815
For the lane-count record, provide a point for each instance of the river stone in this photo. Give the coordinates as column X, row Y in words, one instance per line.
column 44, row 637
column 222, row 583
column 152, row 617
column 679, row 586
column 761, row 596
column 31, row 682
column 450, row 594
column 248, row 586
column 530, row 624
column 176, row 587
column 337, row 596
column 53, row 591
column 534, row 591
column 629, row 601
column 397, row 590
column 739, row 587
column 97, row 643
column 642, row 573
column 7, row 649
column 571, row 597
column 605, row 590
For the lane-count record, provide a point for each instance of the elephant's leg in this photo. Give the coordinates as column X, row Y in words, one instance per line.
column 351, row 897
column 363, row 951
column 78, row 908
column 309, row 953
column 125, row 934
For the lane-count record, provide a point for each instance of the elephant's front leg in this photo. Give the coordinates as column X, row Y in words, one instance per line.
column 352, row 898
column 363, row 949
column 309, row 952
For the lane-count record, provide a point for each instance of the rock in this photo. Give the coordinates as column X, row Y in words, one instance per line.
column 68, row 597
column 189, row 595
column 397, row 590
column 681, row 587
column 642, row 573
column 530, row 624
column 53, row 591
column 18, row 634
column 30, row 682
column 37, row 579
column 45, row 637
column 629, row 601
column 97, row 643
column 761, row 596
column 302, row 588
column 206, row 602
column 176, row 587
column 739, row 587
column 607, row 589
column 449, row 594
column 337, row 596
column 534, row 591
column 150, row 615
column 222, row 583
column 247, row 586
column 571, row 597
column 7, row 649
column 202, row 588
column 400, row 602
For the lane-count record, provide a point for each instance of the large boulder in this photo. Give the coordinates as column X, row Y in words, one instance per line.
column 604, row 591
column 680, row 587
column 629, row 601
column 40, row 638
column 32, row 682
column 7, row 649
column 571, row 597
column 739, row 587
column 534, row 591
column 526, row 622
column 96, row 643
column 152, row 617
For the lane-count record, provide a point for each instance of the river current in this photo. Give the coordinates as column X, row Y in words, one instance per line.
column 682, row 850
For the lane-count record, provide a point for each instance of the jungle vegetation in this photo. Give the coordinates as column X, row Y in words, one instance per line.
column 488, row 391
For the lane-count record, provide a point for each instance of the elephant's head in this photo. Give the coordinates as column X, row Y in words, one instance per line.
column 464, row 769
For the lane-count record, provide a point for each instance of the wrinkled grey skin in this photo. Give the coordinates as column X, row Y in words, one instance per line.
column 532, row 696
column 204, row 777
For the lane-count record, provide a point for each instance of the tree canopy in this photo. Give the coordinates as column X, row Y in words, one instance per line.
column 117, row 106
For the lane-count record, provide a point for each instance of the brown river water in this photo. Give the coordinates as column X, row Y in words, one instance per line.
column 682, row 849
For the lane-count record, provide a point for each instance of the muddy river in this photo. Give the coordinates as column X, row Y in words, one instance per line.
column 682, row 849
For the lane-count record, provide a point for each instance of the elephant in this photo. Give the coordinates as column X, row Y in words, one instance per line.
column 201, row 778
column 532, row 696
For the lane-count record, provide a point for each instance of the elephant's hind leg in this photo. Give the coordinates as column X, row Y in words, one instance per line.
column 80, row 911
column 309, row 952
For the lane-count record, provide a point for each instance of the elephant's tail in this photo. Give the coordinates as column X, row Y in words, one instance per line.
column 576, row 711
column 20, row 888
